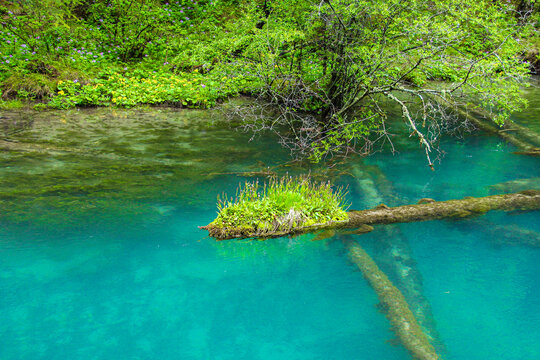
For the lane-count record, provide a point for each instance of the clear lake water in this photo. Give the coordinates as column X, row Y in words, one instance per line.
column 101, row 256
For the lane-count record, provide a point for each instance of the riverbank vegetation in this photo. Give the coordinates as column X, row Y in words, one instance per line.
column 327, row 69
column 115, row 53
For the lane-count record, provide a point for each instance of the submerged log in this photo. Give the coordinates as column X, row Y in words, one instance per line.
column 526, row 135
column 382, row 214
column 394, row 256
column 393, row 252
column 513, row 235
column 525, row 139
column 395, row 307
column 43, row 148
column 6, row 145
column 513, row 138
column 532, row 152
column 503, row 235
column 516, row 185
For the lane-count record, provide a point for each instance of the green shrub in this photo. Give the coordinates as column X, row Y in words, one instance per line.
column 278, row 206
column 193, row 90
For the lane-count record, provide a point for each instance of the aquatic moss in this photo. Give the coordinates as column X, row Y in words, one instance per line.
column 280, row 205
column 111, row 165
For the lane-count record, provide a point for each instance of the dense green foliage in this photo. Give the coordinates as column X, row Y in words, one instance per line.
column 118, row 52
column 280, row 205
column 325, row 66
column 332, row 67
column 129, row 89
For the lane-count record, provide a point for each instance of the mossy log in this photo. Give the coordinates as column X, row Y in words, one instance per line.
column 525, row 139
column 426, row 209
column 526, row 135
column 24, row 147
column 532, row 152
column 394, row 254
column 44, row 148
column 395, row 307
column 504, row 133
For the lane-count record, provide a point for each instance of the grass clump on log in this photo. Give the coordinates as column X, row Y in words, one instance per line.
column 277, row 208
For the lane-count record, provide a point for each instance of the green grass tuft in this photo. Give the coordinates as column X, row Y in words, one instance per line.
column 28, row 86
column 11, row 104
column 278, row 206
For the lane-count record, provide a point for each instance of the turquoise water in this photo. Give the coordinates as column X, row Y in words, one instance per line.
column 101, row 257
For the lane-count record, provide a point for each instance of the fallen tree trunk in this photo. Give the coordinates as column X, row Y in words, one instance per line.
column 525, row 139
column 532, row 138
column 502, row 234
column 394, row 255
column 25, row 147
column 394, row 305
column 515, row 185
column 513, row 235
column 426, row 209
column 504, row 133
